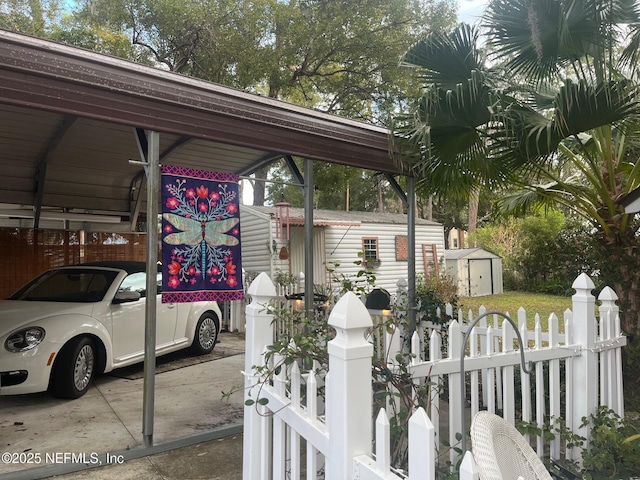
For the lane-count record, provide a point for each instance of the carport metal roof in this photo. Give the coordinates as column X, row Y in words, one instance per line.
column 68, row 118
column 71, row 120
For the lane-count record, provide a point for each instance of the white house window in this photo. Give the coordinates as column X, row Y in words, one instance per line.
column 370, row 250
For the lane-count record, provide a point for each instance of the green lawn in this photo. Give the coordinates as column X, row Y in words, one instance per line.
column 510, row 302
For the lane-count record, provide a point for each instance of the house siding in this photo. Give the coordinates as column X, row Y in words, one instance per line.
column 343, row 244
column 337, row 243
column 256, row 241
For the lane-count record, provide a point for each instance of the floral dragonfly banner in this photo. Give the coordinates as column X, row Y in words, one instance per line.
column 201, row 258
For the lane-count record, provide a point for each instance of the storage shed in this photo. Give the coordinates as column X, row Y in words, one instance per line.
column 338, row 236
column 476, row 271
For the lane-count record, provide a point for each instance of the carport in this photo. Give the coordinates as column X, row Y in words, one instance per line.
column 83, row 134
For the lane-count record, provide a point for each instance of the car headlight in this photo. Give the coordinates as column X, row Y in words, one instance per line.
column 24, row 339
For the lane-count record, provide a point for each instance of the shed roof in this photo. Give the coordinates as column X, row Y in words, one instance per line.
column 631, row 201
column 339, row 217
column 476, row 253
column 68, row 120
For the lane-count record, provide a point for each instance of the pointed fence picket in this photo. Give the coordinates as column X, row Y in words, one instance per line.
column 285, row 434
column 292, row 432
column 574, row 371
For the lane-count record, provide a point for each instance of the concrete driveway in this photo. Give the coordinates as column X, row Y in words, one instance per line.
column 38, row 430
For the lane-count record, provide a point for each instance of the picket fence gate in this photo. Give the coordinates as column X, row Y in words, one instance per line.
column 289, row 434
column 234, row 312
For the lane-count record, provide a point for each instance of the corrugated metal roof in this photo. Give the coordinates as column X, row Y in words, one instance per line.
column 339, row 217
column 71, row 113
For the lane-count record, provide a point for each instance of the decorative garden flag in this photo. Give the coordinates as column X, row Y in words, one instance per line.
column 200, row 236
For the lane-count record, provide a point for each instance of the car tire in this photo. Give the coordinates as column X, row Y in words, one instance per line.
column 74, row 369
column 206, row 334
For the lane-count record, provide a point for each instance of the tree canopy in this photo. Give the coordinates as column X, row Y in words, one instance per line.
column 546, row 108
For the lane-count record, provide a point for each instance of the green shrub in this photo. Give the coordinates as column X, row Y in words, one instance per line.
column 615, row 447
column 434, row 293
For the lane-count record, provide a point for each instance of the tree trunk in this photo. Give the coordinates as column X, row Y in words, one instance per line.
column 474, row 201
column 259, row 186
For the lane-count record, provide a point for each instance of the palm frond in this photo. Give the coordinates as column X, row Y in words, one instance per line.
column 537, row 40
column 581, row 107
column 446, row 59
column 472, row 127
column 532, row 198
column 630, row 16
column 526, row 34
column 448, row 131
column 529, row 135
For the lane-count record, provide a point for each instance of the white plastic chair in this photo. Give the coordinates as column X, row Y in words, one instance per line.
column 501, row 452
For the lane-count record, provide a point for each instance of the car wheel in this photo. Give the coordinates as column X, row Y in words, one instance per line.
column 206, row 334
column 74, row 369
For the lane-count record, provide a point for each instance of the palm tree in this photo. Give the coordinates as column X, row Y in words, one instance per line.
column 552, row 109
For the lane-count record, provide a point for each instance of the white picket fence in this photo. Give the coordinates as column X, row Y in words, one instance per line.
column 574, row 372
column 233, row 312
column 290, row 432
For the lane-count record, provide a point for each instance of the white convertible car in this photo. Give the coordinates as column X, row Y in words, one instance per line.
column 71, row 323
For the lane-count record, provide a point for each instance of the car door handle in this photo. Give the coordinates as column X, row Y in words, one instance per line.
column 171, row 305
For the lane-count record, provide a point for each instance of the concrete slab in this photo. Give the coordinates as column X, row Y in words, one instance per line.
column 215, row 460
column 188, row 401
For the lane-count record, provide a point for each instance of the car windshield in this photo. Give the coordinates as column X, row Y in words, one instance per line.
column 67, row 285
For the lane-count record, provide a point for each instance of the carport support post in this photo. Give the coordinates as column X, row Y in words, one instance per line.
column 152, row 169
column 308, row 239
column 409, row 201
column 411, row 261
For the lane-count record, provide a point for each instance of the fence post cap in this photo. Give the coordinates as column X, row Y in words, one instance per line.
column 608, row 294
column 262, row 286
column 350, row 313
column 583, row 282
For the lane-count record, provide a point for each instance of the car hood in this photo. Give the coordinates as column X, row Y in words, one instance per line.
column 16, row 313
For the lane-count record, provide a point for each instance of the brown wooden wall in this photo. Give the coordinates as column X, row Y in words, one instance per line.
column 26, row 253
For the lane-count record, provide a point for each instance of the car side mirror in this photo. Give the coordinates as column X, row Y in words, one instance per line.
column 126, row 296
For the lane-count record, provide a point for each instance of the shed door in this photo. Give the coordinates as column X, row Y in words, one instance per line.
column 480, row 281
